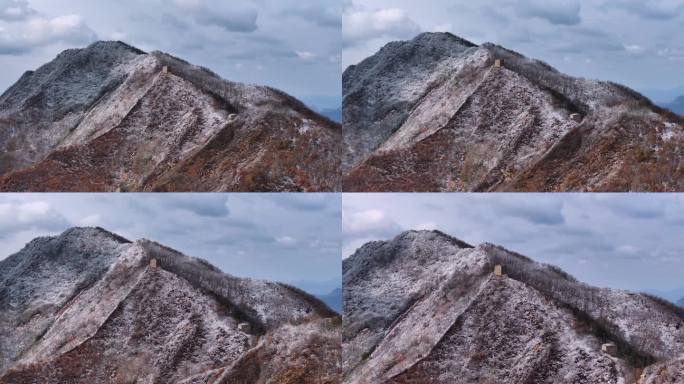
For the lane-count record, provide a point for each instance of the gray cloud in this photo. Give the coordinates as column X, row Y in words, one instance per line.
column 549, row 213
column 555, row 12
column 325, row 14
column 234, row 17
column 305, row 202
column 652, row 9
column 13, row 10
column 209, row 206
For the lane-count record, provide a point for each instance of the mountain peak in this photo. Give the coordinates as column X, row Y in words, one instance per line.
column 431, row 234
column 114, row 44
column 103, row 51
column 437, row 37
column 90, row 232
column 419, row 307
column 438, row 114
column 75, row 124
column 76, row 296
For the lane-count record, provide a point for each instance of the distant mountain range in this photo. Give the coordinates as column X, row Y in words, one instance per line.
column 681, row 302
column 89, row 306
column 111, row 117
column 663, row 95
column 333, row 300
column 676, row 106
column 426, row 307
column 334, row 114
column 439, row 113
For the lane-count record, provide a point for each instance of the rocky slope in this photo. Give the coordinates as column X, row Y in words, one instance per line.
column 109, row 118
column 436, row 114
column 88, row 307
column 427, row 308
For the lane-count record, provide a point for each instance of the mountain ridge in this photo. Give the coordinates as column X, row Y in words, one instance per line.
column 435, row 312
column 76, row 123
column 437, row 114
column 67, row 301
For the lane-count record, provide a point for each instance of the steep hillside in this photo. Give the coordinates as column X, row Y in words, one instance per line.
column 427, row 308
column 111, row 117
column 438, row 114
column 88, row 306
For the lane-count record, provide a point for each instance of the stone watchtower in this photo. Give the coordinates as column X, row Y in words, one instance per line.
column 498, row 270
column 498, row 63
column 165, row 69
column 153, row 263
column 576, row 117
column 244, row 327
column 609, row 349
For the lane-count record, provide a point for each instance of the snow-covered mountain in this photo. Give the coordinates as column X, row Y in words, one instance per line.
column 439, row 113
column 428, row 308
column 89, row 306
column 111, row 117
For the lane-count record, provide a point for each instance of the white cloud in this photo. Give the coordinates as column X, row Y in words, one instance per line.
column 90, row 221
column 39, row 31
column 446, row 27
column 362, row 25
column 286, row 240
column 427, row 226
column 628, row 249
column 118, row 36
column 362, row 226
column 306, row 55
column 39, row 215
column 363, row 221
column 635, row 49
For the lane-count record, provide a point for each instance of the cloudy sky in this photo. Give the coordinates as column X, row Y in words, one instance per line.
column 285, row 237
column 637, row 43
column 290, row 44
column 628, row 241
